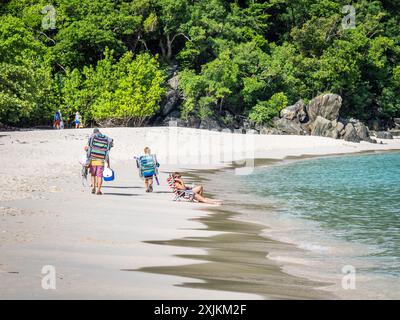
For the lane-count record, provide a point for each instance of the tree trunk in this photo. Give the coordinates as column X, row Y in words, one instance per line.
column 169, row 47
column 162, row 47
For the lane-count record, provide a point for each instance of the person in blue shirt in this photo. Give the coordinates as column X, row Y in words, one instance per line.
column 57, row 120
column 78, row 120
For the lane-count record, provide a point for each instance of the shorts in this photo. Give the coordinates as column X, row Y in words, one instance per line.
column 97, row 171
column 148, row 175
column 57, row 122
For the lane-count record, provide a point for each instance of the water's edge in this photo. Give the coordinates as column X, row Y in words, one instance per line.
column 237, row 260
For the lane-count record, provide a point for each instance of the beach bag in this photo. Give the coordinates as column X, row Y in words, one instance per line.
column 108, row 174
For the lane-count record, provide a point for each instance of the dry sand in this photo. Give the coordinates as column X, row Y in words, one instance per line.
column 48, row 218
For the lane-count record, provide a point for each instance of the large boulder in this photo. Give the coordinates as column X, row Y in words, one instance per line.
column 295, row 112
column 350, row 133
column 324, row 128
column 289, row 127
column 362, row 131
column 395, row 132
column 338, row 125
column 210, row 124
column 171, row 102
column 326, row 106
column 383, row 135
column 396, row 123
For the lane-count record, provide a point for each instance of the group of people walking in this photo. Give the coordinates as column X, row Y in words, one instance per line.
column 58, row 122
column 98, row 158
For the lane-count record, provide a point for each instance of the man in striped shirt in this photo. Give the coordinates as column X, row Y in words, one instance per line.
column 98, row 148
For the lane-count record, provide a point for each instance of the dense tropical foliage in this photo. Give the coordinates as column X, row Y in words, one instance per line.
column 109, row 59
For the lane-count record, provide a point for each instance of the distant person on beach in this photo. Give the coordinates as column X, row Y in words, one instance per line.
column 57, row 120
column 98, row 149
column 148, row 165
column 197, row 190
column 78, row 120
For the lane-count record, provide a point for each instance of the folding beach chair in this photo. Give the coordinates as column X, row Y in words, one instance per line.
column 179, row 194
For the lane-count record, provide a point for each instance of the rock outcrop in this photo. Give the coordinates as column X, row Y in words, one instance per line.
column 289, row 127
column 324, row 128
column 295, row 112
column 383, row 135
column 350, row 133
column 327, row 106
column 210, row 124
column 362, row 131
column 321, row 118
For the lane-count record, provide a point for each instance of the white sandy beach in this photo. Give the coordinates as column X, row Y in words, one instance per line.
column 48, row 217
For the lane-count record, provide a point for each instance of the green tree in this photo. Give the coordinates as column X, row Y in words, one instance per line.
column 132, row 90
column 264, row 111
column 25, row 81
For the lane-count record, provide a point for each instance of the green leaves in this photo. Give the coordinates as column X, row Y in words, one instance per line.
column 131, row 91
column 232, row 57
column 264, row 111
column 24, row 78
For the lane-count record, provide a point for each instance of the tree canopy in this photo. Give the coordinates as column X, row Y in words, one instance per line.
column 109, row 59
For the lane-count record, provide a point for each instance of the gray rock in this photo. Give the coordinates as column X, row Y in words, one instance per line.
column 295, row 112
column 324, row 128
column 252, row 131
column 289, row 127
column 239, row 131
column 172, row 100
column 210, row 124
column 174, row 82
column 248, row 124
column 270, row 131
column 350, row 133
column 339, row 126
column 174, row 122
column 383, row 135
column 362, row 131
column 326, row 106
column 395, row 132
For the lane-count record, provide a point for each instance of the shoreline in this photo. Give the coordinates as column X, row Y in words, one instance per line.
column 297, row 264
column 41, row 223
column 320, row 287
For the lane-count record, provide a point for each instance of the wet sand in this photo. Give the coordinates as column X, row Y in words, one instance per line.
column 236, row 261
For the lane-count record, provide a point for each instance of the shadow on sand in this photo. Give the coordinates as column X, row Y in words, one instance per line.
column 236, row 261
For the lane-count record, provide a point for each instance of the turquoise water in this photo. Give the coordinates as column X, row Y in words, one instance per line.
column 351, row 198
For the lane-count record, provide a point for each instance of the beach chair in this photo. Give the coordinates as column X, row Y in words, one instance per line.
column 187, row 195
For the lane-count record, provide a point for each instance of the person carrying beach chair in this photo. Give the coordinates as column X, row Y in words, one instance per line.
column 182, row 191
column 148, row 168
column 98, row 149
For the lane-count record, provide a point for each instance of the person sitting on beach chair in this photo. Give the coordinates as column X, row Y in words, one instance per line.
column 186, row 192
column 179, row 194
